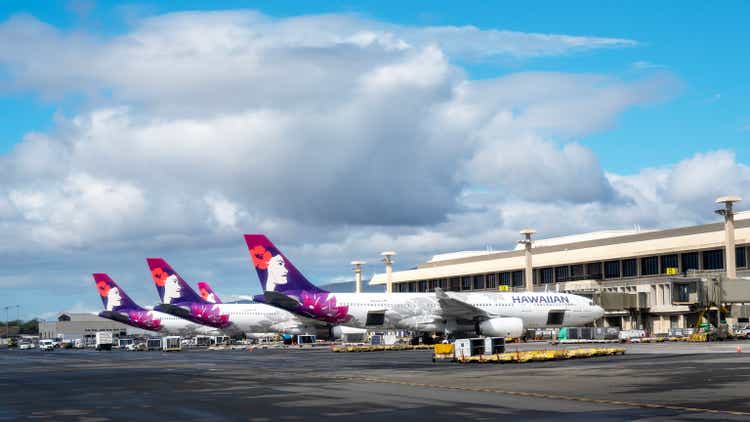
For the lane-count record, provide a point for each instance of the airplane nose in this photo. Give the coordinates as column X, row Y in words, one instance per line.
column 599, row 311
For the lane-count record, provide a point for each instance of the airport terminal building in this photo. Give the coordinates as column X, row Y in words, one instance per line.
column 639, row 264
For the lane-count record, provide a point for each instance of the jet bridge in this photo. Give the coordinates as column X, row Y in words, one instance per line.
column 703, row 292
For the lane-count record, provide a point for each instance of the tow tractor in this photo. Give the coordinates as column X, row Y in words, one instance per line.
column 704, row 331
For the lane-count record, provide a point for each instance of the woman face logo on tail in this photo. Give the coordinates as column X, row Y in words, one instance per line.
column 114, row 299
column 172, row 289
column 277, row 272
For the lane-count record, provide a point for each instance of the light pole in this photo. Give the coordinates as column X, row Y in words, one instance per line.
column 358, row 275
column 6, row 321
column 388, row 260
column 526, row 242
column 729, row 251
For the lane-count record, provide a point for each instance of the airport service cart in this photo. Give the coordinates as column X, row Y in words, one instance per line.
column 171, row 344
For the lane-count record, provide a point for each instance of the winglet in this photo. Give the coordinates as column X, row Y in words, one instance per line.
column 440, row 293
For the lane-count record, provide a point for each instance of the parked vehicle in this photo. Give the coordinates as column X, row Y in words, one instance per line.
column 46, row 345
column 103, row 340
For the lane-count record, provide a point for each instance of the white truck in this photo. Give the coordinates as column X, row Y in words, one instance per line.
column 103, row 340
column 46, row 345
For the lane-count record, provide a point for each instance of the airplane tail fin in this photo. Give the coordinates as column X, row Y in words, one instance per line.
column 207, row 293
column 275, row 271
column 113, row 297
column 171, row 287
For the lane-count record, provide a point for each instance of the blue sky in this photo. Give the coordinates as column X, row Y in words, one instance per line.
column 386, row 126
column 700, row 43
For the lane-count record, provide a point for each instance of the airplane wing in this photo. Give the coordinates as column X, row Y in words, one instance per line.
column 281, row 300
column 456, row 308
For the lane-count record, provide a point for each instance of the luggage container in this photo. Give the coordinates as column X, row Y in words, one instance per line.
column 171, row 344
column 202, row 341
column 494, row 345
column 153, row 344
column 123, row 343
column 305, row 339
column 465, row 347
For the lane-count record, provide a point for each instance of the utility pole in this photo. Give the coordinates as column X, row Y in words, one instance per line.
column 6, row 321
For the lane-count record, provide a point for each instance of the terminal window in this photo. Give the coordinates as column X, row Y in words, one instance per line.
column 561, row 274
column 668, row 261
column 577, row 272
column 505, row 279
column 491, row 281
column 690, row 261
column 478, row 282
column 594, row 270
column 612, row 269
column 547, row 275
column 650, row 265
column 713, row 260
column 629, row 267
column 741, row 258
column 455, row 284
column 466, row 283
column 517, row 278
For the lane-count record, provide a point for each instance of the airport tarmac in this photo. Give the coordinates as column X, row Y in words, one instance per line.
column 669, row 381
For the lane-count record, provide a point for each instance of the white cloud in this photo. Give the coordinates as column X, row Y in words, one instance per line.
column 338, row 136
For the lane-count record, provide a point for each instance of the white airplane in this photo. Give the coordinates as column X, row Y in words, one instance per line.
column 180, row 300
column 500, row 314
column 119, row 307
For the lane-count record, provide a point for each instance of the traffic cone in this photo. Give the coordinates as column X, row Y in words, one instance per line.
column 739, row 348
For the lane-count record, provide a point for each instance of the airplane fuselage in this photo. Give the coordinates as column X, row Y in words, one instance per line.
column 158, row 322
column 422, row 311
column 234, row 319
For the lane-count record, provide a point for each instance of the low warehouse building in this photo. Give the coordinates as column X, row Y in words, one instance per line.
column 84, row 326
column 638, row 263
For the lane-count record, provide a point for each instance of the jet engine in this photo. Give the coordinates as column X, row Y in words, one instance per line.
column 501, row 327
column 339, row 331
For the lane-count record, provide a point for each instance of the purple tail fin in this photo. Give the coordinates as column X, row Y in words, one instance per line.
column 171, row 287
column 275, row 271
column 207, row 293
column 113, row 297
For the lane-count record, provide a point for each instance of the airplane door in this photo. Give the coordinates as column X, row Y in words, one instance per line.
column 555, row 317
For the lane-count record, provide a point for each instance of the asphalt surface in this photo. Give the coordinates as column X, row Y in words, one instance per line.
column 662, row 382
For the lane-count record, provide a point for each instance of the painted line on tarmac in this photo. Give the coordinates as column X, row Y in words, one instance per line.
column 538, row 395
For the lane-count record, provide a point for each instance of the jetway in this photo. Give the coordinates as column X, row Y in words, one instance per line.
column 704, row 292
column 615, row 301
